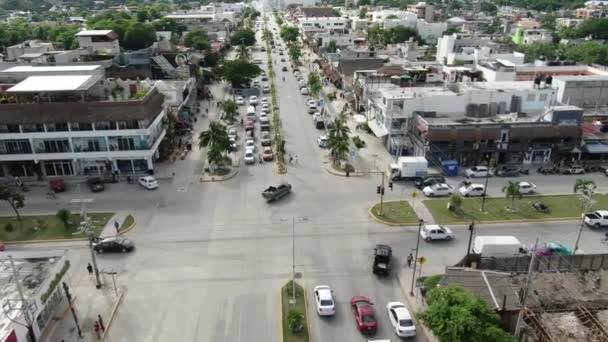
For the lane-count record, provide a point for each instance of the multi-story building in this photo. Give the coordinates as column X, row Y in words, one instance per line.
column 470, row 49
column 64, row 125
column 323, row 24
column 390, row 18
column 99, row 42
column 34, row 46
column 531, row 36
column 423, row 11
column 568, row 22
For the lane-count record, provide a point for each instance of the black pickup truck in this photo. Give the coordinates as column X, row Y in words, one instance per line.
column 382, row 260
column 273, row 193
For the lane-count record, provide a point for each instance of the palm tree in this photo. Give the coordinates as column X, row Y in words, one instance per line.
column 215, row 138
column 230, row 110
column 242, row 53
column 585, row 186
column 338, row 138
column 314, row 83
column 511, row 190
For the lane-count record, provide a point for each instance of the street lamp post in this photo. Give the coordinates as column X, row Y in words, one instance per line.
column 293, row 260
column 83, row 212
column 471, row 229
column 420, row 223
column 485, row 188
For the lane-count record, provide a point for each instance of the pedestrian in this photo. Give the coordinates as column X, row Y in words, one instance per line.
column 97, row 330
column 117, row 226
column 290, row 159
column 410, row 258
column 90, row 268
column 100, row 320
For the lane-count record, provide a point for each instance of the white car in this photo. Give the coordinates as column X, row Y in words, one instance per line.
column 148, row 182
column 432, row 232
column 324, row 300
column 265, row 107
column 240, row 100
column 264, row 119
column 266, row 88
column 249, row 157
column 526, row 188
column 233, row 134
column 478, row 171
column 264, row 99
column 250, row 145
column 302, row 83
column 253, row 99
column 316, row 116
column 437, row 190
column 322, row 141
column 472, row 190
column 401, row 320
column 304, row 91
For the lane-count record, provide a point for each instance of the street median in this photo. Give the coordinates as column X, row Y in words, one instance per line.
column 394, row 213
column 294, row 316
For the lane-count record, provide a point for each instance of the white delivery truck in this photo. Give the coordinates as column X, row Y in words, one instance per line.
column 498, row 246
column 408, row 167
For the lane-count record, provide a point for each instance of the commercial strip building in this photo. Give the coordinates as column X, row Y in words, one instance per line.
column 65, row 125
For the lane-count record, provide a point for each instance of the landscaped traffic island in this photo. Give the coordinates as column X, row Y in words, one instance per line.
column 561, row 207
column 397, row 213
column 49, row 227
column 294, row 318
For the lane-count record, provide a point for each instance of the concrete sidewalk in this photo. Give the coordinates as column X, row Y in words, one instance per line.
column 414, row 303
column 110, row 228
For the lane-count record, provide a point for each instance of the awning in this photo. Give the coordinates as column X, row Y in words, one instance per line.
column 360, row 119
column 594, row 148
column 378, row 131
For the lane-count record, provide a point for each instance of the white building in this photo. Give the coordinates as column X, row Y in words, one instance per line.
column 12, row 53
column 582, row 91
column 343, row 40
column 390, row 18
column 469, row 49
column 95, row 42
column 326, row 24
column 65, row 125
column 568, row 22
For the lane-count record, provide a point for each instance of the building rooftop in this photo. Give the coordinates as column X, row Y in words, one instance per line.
column 499, row 86
column 582, row 78
column 55, row 83
column 191, row 16
column 414, row 92
column 86, row 33
column 31, row 68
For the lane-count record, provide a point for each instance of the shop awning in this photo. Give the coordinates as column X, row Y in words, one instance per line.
column 378, row 131
column 595, row 148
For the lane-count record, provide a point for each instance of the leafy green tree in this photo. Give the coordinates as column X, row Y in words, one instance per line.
column 511, row 190
column 547, row 21
column 289, row 34
column 266, row 35
column 230, row 109
column 363, row 13
column 332, row 46
column 197, row 39
column 279, row 21
column 142, row 15
column 139, row 36
column 314, row 83
column 376, row 35
column 217, row 142
column 338, row 141
column 243, row 37
column 165, row 24
column 488, row 7
column 391, row 16
column 595, row 27
column 238, row 73
column 64, row 216
column 401, row 34
column 14, row 198
column 295, row 321
column 211, row 59
column 455, row 315
column 295, row 52
column 250, row 12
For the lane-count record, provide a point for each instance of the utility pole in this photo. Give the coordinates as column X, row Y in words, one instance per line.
column 589, row 202
column 524, row 296
column 420, row 223
column 86, row 229
column 471, row 229
column 293, row 260
column 68, row 295
column 382, row 195
column 27, row 315
column 485, row 189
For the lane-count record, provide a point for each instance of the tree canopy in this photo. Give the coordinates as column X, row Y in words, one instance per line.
column 587, row 53
column 197, row 39
column 165, row 24
column 455, row 315
column 18, row 30
column 139, row 36
column 401, row 34
column 238, row 73
column 289, row 33
column 243, row 37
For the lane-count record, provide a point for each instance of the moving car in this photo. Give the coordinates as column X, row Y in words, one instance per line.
column 596, row 219
column 526, row 188
column 322, row 141
column 472, row 190
column 509, row 171
column 423, row 182
column 400, row 319
column 432, row 232
column 249, row 157
column 553, row 248
column 267, row 155
column 273, row 193
column 437, row 190
column 324, row 300
column 477, row 171
column 250, row 145
column 253, row 100
column 148, row 182
column 95, row 184
column 264, row 100
column 382, row 260
column 113, row 245
column 364, row 313
column 284, row 68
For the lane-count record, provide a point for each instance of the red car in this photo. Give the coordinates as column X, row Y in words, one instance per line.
column 364, row 313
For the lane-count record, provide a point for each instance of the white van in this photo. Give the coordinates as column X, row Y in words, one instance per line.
column 251, row 112
column 499, row 246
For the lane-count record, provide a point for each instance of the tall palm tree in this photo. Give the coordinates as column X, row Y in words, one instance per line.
column 242, row 53
column 584, row 186
column 216, row 139
column 338, row 138
column 314, row 84
column 511, row 190
column 230, row 110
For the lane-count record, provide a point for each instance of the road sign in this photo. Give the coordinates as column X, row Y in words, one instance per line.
column 298, row 275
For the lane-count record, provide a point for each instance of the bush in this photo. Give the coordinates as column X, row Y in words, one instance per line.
column 63, row 215
column 295, row 321
column 289, row 289
column 431, row 282
column 8, row 227
column 358, row 142
column 455, row 202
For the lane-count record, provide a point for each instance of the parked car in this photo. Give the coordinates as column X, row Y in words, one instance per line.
column 266, row 88
column 267, row 155
column 477, row 171
column 472, row 190
column 547, row 169
column 324, row 300
column 249, row 157
column 95, row 184
column 364, row 313
column 571, row 170
column 232, row 133
column 113, row 245
column 304, row 91
column 148, row 182
column 265, row 139
column 438, row 190
column 250, row 145
column 509, row 171
column 322, row 141
column 400, row 319
column 253, row 100
column 526, row 188
column 432, row 232
column 423, row 182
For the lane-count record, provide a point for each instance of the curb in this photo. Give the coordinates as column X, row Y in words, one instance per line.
column 43, row 241
column 128, row 229
column 113, row 314
column 557, row 219
column 281, row 314
column 330, row 170
column 392, row 224
column 306, row 314
column 205, row 178
column 425, row 330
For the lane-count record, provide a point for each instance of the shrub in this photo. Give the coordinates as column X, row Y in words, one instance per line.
column 289, row 289
column 359, row 143
column 349, row 168
column 295, row 321
column 431, row 282
column 8, row 227
column 455, row 201
column 63, row 215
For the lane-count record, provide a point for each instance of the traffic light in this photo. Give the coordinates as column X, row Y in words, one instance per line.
column 390, row 185
column 378, row 189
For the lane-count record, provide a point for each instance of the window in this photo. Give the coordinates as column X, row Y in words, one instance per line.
column 104, row 125
column 131, row 124
column 126, row 144
column 9, row 128
column 32, row 128
column 52, row 145
column 530, row 97
column 81, row 126
column 58, row 168
column 18, row 146
column 57, row 127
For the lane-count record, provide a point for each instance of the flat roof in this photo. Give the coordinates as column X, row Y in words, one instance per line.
column 54, row 83
column 412, row 92
column 93, row 33
column 582, row 78
column 31, row 68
